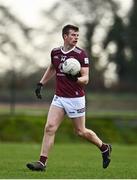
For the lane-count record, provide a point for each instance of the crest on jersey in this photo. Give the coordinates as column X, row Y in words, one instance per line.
column 63, row 58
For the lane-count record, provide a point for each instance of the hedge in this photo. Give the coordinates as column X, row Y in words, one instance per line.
column 29, row 128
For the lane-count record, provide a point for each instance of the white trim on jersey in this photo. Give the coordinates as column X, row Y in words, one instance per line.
column 57, row 48
column 66, row 52
column 77, row 50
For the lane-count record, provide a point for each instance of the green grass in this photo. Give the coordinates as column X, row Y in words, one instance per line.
column 67, row 161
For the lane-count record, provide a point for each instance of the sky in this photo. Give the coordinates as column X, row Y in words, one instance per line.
column 29, row 10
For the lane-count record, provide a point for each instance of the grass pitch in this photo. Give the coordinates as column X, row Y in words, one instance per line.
column 67, row 161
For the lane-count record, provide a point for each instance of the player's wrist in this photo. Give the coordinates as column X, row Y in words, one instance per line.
column 39, row 84
column 75, row 78
column 72, row 78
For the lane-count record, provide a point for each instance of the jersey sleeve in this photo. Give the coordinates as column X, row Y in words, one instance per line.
column 84, row 60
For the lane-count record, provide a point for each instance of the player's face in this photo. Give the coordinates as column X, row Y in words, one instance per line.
column 72, row 38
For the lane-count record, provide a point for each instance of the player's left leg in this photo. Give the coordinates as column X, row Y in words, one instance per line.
column 81, row 130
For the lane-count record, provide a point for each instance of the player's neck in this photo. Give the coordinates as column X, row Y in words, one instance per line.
column 66, row 48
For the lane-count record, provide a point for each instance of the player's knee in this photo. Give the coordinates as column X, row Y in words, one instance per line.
column 50, row 129
column 80, row 132
column 85, row 133
column 89, row 134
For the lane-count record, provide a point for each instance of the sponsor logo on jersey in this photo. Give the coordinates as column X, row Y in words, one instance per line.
column 86, row 60
column 60, row 67
column 60, row 74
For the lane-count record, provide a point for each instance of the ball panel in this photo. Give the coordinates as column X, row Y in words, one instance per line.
column 71, row 66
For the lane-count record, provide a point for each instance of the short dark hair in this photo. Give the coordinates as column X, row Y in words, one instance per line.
column 66, row 29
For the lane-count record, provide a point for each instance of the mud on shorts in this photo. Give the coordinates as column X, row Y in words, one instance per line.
column 74, row 107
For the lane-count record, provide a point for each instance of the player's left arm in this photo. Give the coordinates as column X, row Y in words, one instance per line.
column 84, row 78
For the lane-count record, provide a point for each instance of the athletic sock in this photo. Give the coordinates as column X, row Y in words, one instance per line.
column 43, row 159
column 104, row 147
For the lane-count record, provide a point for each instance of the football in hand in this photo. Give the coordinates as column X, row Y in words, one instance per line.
column 71, row 66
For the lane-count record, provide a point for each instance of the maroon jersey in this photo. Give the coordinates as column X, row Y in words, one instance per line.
column 64, row 86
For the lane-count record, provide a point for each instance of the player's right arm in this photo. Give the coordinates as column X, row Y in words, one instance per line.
column 50, row 72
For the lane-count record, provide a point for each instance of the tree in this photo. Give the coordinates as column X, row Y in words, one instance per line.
column 124, row 35
column 16, row 48
column 132, row 44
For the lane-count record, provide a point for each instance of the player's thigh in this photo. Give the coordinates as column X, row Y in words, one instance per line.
column 55, row 116
column 78, row 123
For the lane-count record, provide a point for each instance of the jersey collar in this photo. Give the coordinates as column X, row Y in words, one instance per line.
column 66, row 52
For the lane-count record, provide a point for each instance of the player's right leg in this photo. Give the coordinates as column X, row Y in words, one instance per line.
column 54, row 119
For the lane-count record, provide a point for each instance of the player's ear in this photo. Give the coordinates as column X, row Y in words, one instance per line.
column 65, row 36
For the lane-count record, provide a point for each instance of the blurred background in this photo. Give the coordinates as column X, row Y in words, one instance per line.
column 29, row 29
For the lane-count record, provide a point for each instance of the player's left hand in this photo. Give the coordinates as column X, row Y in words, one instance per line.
column 73, row 77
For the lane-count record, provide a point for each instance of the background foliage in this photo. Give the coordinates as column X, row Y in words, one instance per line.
column 113, row 129
column 108, row 36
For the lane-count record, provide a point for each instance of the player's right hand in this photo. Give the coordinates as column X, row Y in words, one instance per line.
column 73, row 77
column 38, row 90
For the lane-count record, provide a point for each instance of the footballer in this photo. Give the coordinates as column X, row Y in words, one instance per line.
column 69, row 98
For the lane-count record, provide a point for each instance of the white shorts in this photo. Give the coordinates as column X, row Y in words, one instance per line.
column 74, row 107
